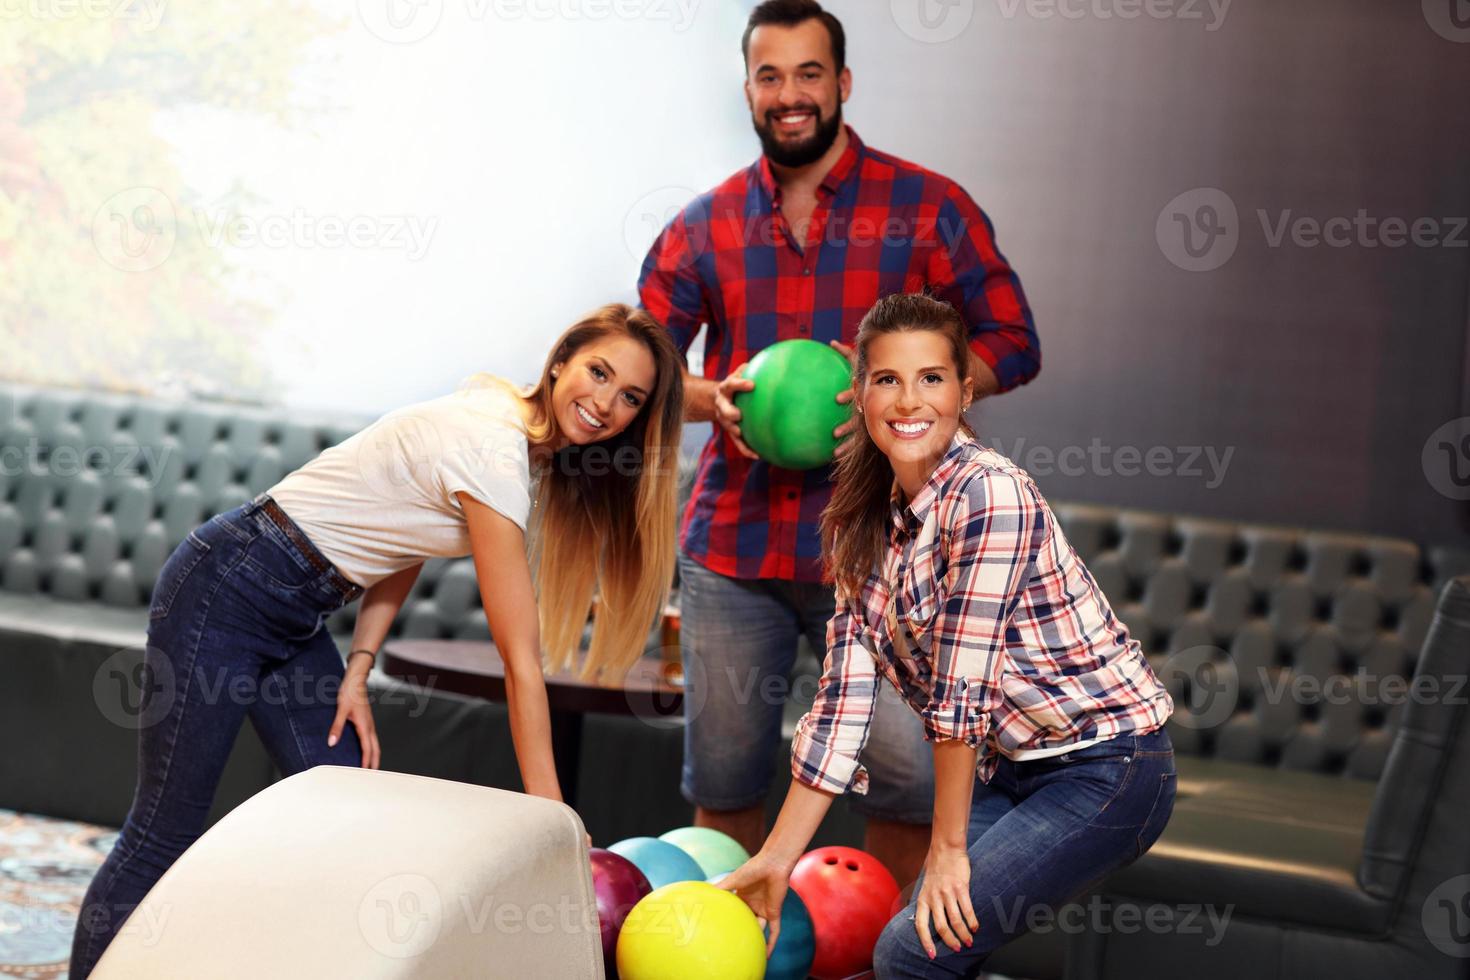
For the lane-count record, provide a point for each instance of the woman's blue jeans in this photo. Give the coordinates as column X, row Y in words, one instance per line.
column 236, row 629
column 1042, row 832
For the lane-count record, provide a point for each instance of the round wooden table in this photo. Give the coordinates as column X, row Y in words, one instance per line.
column 474, row 668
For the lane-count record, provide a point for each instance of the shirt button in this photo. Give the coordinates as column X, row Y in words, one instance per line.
column 790, row 494
column 806, row 272
column 801, row 329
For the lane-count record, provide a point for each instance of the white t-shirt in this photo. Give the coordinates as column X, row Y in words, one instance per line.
column 384, row 499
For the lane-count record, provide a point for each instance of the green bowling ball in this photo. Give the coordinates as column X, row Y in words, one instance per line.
column 788, row 419
column 714, row 852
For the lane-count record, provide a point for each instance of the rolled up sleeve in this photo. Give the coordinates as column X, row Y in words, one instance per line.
column 830, row 737
column 994, row 530
column 969, row 272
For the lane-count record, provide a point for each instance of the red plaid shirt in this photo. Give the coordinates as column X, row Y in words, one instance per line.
column 1014, row 646
column 730, row 260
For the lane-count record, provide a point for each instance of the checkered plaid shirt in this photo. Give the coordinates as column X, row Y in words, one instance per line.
column 987, row 623
column 729, row 260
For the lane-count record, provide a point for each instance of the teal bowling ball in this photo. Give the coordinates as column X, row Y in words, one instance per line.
column 661, row 862
column 796, row 946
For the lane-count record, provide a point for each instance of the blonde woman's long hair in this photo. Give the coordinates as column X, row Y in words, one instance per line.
column 603, row 520
column 854, row 524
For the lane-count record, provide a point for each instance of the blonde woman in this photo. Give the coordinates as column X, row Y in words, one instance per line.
column 956, row 585
column 582, row 463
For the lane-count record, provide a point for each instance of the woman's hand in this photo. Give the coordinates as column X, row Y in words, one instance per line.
column 353, row 706
column 944, row 901
column 761, row 883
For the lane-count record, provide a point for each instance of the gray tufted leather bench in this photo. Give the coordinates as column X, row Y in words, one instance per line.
column 1322, row 756
column 95, row 492
column 1324, row 823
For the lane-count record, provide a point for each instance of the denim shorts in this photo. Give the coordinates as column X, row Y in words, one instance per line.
column 738, row 638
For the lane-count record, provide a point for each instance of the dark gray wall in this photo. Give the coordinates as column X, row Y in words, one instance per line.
column 1323, row 370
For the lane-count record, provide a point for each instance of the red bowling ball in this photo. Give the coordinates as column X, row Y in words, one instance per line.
column 618, row 885
column 851, row 897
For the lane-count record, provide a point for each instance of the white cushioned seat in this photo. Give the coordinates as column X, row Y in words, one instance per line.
column 340, row 872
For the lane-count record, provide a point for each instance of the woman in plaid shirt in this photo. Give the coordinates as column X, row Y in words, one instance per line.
column 956, row 586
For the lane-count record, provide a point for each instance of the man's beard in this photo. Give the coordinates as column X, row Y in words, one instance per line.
column 803, row 152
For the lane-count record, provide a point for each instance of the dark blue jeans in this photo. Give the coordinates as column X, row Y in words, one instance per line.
column 1041, row 833
column 236, row 629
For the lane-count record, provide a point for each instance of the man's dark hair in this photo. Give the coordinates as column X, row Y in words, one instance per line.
column 789, row 13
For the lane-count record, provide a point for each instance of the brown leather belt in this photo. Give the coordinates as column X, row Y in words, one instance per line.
column 315, row 558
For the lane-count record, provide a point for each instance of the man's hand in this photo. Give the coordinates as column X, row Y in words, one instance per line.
column 727, row 416
column 844, row 397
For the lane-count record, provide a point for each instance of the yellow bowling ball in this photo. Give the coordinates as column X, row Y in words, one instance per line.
column 691, row 929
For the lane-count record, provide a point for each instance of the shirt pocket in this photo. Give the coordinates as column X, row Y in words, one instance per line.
column 918, row 591
column 917, row 605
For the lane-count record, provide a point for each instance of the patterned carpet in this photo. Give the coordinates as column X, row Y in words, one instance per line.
column 45, row 866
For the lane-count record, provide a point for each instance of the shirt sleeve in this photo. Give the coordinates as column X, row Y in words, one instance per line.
column 830, row 737
column 487, row 462
column 669, row 287
column 968, row 271
column 994, row 531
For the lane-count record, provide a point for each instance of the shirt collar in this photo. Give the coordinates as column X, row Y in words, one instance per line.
column 911, row 517
column 845, row 166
